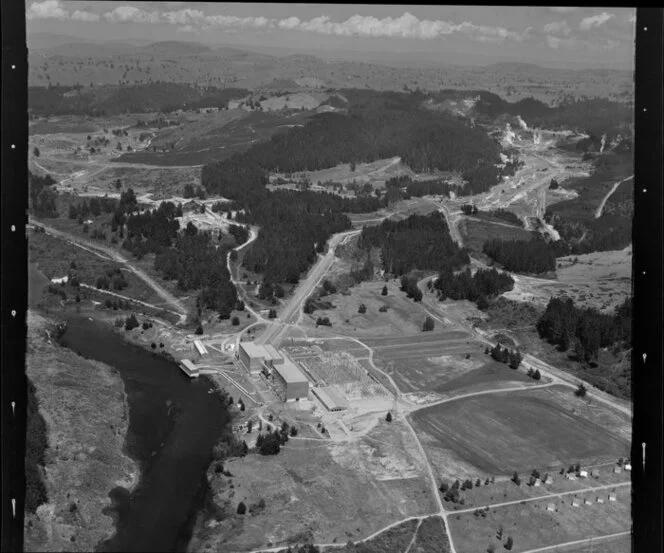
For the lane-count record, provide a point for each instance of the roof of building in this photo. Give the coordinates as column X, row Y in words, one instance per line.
column 253, row 350
column 290, row 373
column 331, row 397
column 200, row 347
column 271, row 352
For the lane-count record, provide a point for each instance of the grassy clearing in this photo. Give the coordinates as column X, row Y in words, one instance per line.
column 394, row 539
column 501, row 433
column 475, row 233
column 83, row 403
column 431, row 537
column 531, row 526
column 308, row 496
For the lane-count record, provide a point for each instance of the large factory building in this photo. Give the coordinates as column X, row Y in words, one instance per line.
column 290, row 381
column 254, row 356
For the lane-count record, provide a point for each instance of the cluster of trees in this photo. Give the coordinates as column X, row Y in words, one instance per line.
column 36, row 444
column 585, row 330
column 469, row 209
column 409, row 285
column 190, row 192
column 239, row 232
column 513, row 358
column 428, row 324
column 534, row 374
column 420, row 241
column 451, row 492
column 271, row 442
column 95, row 207
column 112, row 278
column 41, row 195
column 530, row 256
column 198, row 264
column 151, row 230
column 479, row 288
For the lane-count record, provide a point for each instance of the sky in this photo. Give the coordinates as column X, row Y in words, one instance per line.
column 551, row 36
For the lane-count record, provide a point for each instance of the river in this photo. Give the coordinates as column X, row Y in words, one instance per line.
column 173, row 424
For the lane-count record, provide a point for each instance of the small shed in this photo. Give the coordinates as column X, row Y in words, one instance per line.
column 583, row 474
column 551, row 507
column 571, row 477
column 628, row 467
column 600, row 499
column 612, row 497
column 548, row 480
column 537, row 483
column 587, row 501
column 575, row 502
column 617, row 470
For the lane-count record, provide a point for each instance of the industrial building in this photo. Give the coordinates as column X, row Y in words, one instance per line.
column 253, row 356
column 189, row 368
column 291, row 384
column 200, row 348
column 331, row 398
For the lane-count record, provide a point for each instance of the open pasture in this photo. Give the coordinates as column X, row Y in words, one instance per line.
column 500, row 433
column 475, row 233
column 532, row 526
column 432, row 362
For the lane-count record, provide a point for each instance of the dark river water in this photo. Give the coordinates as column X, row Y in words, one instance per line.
column 173, row 424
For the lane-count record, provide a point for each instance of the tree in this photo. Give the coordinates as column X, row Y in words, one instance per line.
column 272, row 314
column 499, row 533
column 131, row 322
column 388, row 417
column 199, row 329
column 509, row 543
column 444, row 487
column 384, row 291
column 478, row 483
column 516, row 479
column 36, row 151
column 428, row 324
column 491, row 548
column 235, row 321
column 581, row 391
column 250, row 425
column 537, row 375
column 362, row 309
column 241, row 508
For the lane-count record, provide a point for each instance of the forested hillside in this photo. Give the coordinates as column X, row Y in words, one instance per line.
column 419, row 242
column 531, row 256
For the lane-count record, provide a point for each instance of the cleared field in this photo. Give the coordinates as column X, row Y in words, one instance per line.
column 439, row 363
column 394, row 539
column 399, row 210
column 403, row 316
column 431, row 537
column 475, row 233
column 308, row 495
column 531, row 525
column 619, row 544
column 500, row 433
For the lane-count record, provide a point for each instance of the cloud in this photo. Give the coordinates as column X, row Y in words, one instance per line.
column 588, row 23
column 563, row 10
column 557, row 28
column 49, row 9
column 131, row 14
column 79, row 15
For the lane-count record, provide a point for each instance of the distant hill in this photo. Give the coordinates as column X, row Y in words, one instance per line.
column 76, row 62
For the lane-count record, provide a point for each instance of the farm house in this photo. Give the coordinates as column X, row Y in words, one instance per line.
column 291, row 382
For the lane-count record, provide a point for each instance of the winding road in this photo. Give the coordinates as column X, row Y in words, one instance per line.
column 600, row 209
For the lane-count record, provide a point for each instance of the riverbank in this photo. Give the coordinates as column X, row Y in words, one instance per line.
column 85, row 408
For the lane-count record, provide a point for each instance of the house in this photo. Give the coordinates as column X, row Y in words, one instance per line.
column 617, row 470
column 548, row 480
column 583, row 474
column 600, row 499
column 594, row 473
column 551, row 507
column 537, row 482
column 628, row 467
column 570, row 476
column 575, row 502
column 612, row 497
column 587, row 501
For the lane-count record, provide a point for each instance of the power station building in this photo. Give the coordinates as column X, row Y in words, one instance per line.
column 291, row 384
column 253, row 356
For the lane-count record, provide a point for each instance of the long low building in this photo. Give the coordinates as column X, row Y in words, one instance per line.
column 292, row 383
column 189, row 368
column 331, row 398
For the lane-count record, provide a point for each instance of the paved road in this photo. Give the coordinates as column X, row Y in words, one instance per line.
column 292, row 307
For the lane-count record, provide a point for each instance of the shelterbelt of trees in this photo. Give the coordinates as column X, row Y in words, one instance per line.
column 418, row 242
column 529, row 256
